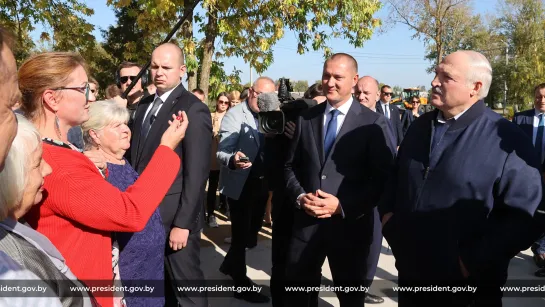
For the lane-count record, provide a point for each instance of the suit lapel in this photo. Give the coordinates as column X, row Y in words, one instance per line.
column 140, row 112
column 163, row 116
column 249, row 118
column 529, row 124
column 378, row 108
column 317, row 123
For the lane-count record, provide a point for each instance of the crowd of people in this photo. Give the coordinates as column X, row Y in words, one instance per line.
column 114, row 190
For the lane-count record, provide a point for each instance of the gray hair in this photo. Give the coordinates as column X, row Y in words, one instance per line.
column 101, row 114
column 13, row 178
column 479, row 70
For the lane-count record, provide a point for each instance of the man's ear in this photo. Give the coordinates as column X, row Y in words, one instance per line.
column 183, row 70
column 477, row 86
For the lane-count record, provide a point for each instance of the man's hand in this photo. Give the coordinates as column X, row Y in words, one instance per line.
column 307, row 203
column 289, row 130
column 239, row 164
column 321, row 205
column 97, row 158
column 178, row 238
column 386, row 217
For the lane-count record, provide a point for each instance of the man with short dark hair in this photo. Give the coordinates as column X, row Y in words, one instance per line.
column 391, row 112
column 464, row 192
column 336, row 168
column 182, row 209
column 200, row 94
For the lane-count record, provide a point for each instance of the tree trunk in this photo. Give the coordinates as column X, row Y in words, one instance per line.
column 211, row 31
column 187, row 33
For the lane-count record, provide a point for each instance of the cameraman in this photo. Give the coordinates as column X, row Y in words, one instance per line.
column 241, row 154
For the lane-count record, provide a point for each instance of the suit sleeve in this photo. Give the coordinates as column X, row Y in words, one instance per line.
column 380, row 157
column 229, row 133
column 196, row 148
column 513, row 224
column 293, row 187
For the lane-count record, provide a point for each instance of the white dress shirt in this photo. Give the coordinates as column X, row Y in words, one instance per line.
column 534, row 134
column 343, row 110
column 385, row 109
column 163, row 97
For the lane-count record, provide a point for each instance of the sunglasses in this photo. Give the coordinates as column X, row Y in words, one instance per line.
column 223, row 102
column 124, row 79
column 386, row 94
column 82, row 89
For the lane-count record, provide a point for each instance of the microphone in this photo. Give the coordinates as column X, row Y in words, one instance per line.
column 267, row 102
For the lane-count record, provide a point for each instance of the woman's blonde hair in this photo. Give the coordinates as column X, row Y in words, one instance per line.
column 234, row 96
column 45, row 71
column 13, row 178
column 101, row 114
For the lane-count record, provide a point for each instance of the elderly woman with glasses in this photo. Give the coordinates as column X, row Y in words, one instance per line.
column 21, row 188
column 141, row 254
column 222, row 105
column 82, row 208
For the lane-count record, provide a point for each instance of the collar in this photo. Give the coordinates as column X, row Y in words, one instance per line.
column 537, row 112
column 165, row 95
column 382, row 102
column 442, row 120
column 254, row 114
column 469, row 115
column 343, row 108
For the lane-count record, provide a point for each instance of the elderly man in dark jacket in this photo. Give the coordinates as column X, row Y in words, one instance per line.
column 467, row 185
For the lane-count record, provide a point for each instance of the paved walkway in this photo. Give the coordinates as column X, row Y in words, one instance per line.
column 258, row 262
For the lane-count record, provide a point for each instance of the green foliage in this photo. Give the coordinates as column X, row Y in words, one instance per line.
column 64, row 21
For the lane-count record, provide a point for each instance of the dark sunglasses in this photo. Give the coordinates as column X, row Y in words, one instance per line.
column 124, row 79
column 386, row 94
column 223, row 102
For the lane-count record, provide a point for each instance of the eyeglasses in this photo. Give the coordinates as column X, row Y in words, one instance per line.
column 223, row 102
column 124, row 79
column 386, row 94
column 82, row 89
column 256, row 92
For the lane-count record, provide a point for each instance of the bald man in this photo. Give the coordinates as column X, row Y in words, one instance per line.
column 9, row 95
column 465, row 190
column 336, row 169
column 182, row 209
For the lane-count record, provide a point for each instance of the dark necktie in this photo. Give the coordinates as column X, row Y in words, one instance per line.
column 539, row 137
column 148, row 121
column 331, row 132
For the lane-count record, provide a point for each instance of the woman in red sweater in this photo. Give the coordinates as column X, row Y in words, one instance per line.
column 81, row 208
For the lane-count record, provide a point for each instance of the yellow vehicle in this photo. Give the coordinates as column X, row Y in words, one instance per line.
column 407, row 94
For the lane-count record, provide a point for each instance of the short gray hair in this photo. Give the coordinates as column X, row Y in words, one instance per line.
column 13, row 178
column 479, row 70
column 101, row 114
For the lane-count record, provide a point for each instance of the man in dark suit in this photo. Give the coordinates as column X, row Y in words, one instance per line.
column 463, row 197
column 532, row 122
column 335, row 171
column 390, row 111
column 181, row 210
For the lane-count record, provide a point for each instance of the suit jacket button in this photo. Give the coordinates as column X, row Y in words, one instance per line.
column 324, row 177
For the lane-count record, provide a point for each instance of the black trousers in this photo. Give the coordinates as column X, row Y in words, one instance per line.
column 213, row 180
column 374, row 249
column 183, row 267
column 346, row 245
column 282, row 216
column 245, row 214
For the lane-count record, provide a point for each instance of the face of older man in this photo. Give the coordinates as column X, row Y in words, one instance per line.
column 539, row 99
column 166, row 67
column 367, row 92
column 260, row 86
column 9, row 95
column 33, row 191
column 450, row 85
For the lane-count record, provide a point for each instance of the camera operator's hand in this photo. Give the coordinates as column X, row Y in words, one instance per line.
column 240, row 164
column 289, row 130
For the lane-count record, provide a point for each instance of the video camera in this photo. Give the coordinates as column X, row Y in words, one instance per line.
column 276, row 110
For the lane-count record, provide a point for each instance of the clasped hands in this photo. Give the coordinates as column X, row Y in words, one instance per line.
column 320, row 204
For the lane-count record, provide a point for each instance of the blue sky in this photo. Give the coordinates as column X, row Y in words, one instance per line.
column 392, row 57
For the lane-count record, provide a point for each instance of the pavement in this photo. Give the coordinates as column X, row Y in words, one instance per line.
column 258, row 262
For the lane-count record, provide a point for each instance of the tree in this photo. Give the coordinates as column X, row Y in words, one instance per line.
column 300, row 86
column 422, row 88
column 443, row 25
column 63, row 20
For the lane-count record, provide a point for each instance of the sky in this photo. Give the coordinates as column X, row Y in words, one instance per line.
column 393, row 57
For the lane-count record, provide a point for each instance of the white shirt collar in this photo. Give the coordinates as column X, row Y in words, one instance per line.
column 537, row 112
column 442, row 120
column 343, row 108
column 165, row 95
